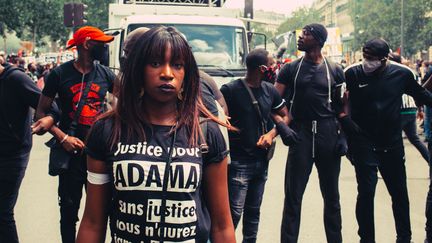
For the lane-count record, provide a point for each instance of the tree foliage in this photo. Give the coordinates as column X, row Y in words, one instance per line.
column 299, row 19
column 383, row 19
column 34, row 20
column 97, row 12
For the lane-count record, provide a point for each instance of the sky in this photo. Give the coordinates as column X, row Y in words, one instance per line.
column 279, row 6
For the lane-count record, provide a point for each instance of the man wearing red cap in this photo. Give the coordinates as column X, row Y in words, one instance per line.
column 69, row 81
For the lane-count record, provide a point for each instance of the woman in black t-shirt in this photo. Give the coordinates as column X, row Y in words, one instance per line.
column 129, row 152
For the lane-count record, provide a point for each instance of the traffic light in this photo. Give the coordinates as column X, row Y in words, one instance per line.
column 74, row 14
column 248, row 10
column 80, row 14
column 68, row 12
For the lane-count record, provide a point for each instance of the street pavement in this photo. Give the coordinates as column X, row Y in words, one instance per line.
column 37, row 212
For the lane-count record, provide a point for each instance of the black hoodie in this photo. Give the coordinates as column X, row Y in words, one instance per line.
column 17, row 94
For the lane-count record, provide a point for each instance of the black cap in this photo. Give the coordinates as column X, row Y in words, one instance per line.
column 318, row 31
column 394, row 56
column 377, row 47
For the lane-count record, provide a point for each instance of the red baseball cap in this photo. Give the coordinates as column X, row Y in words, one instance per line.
column 88, row 33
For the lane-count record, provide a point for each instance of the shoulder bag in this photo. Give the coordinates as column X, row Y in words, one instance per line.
column 59, row 158
column 271, row 149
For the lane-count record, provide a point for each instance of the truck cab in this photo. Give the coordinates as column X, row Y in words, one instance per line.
column 219, row 43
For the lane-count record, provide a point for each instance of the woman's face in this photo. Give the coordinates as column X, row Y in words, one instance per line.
column 164, row 78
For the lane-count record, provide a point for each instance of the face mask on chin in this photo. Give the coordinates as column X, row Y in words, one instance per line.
column 371, row 66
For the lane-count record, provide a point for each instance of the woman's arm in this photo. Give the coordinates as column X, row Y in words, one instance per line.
column 216, row 193
column 93, row 224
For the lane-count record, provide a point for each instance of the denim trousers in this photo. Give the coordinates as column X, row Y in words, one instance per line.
column 429, row 202
column 246, row 182
column 409, row 126
column 426, row 123
column 70, row 188
column 10, row 182
column 391, row 164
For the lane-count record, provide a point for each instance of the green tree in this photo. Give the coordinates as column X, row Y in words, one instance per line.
column 299, row 19
column 383, row 19
column 42, row 18
column 97, row 12
column 35, row 20
column 9, row 19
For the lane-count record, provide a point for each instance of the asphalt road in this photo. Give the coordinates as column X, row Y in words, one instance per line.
column 37, row 212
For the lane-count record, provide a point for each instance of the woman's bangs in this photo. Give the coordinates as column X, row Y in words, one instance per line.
column 179, row 49
column 156, row 50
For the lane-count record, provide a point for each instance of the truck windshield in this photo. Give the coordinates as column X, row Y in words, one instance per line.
column 222, row 47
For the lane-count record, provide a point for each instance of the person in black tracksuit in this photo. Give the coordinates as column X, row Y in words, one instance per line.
column 375, row 88
column 311, row 84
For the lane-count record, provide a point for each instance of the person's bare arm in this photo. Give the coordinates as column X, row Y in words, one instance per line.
column 43, row 106
column 94, row 222
column 266, row 140
column 216, row 193
column 280, row 88
column 69, row 143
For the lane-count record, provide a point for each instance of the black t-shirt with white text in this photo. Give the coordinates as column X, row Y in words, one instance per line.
column 245, row 118
column 311, row 88
column 137, row 170
column 66, row 81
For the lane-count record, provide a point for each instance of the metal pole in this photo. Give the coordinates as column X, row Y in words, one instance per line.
column 331, row 14
column 402, row 29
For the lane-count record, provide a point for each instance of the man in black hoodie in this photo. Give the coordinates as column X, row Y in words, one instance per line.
column 18, row 93
column 375, row 88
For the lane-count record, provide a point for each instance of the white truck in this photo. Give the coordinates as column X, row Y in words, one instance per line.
column 216, row 34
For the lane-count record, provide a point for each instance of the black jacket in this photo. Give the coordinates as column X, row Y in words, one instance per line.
column 375, row 102
column 18, row 93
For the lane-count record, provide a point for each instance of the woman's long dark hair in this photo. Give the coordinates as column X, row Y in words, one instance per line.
column 130, row 113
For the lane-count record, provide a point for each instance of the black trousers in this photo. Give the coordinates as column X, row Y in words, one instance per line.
column 409, row 126
column 391, row 164
column 298, row 168
column 70, row 190
column 10, row 182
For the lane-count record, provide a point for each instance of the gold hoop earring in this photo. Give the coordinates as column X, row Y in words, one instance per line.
column 141, row 94
column 180, row 94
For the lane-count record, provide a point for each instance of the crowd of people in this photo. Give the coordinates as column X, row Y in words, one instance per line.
column 175, row 159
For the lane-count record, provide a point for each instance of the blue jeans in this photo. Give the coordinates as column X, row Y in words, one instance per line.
column 409, row 126
column 246, row 182
column 426, row 122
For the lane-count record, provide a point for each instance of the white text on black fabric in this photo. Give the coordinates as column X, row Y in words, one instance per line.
column 148, row 176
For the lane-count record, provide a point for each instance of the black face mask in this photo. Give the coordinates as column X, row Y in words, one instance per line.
column 99, row 52
column 270, row 75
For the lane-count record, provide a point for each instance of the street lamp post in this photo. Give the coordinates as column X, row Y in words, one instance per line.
column 402, row 29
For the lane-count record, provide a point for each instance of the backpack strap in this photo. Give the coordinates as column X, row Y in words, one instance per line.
column 5, row 76
column 203, row 140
